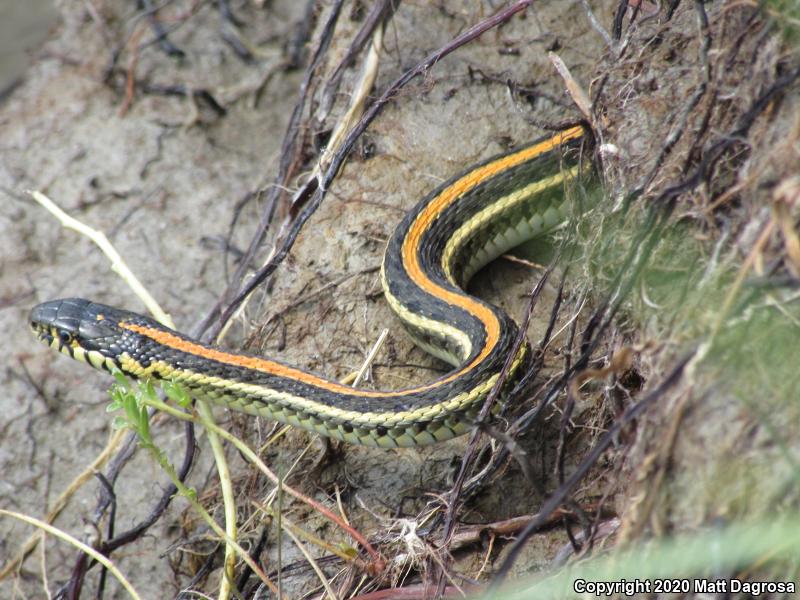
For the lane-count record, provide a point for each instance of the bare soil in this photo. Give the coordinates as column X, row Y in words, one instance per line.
column 172, row 181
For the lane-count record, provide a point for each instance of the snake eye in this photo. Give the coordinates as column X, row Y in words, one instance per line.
column 64, row 337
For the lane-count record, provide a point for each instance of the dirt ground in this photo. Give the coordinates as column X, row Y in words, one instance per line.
column 164, row 177
column 178, row 184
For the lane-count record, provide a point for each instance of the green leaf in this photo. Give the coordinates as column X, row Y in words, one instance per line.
column 176, row 393
column 122, row 380
column 131, row 407
column 144, row 424
column 148, row 391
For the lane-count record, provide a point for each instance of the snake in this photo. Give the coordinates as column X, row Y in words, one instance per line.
column 449, row 235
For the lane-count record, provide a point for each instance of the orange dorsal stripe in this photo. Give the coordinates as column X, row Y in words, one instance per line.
column 445, row 198
column 410, row 260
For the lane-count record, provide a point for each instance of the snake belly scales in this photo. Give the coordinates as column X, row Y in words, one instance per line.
column 448, row 236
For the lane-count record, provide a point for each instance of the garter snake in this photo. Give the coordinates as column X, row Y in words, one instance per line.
column 450, row 234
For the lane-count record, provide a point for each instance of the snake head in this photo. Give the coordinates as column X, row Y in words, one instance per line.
column 81, row 329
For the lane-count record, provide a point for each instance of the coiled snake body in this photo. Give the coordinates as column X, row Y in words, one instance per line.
column 438, row 246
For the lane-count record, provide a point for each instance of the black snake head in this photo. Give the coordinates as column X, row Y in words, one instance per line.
column 84, row 330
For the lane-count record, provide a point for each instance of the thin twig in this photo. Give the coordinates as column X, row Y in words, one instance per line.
column 158, row 509
column 469, row 454
column 607, row 439
column 378, row 563
column 289, row 151
column 78, row 544
column 121, row 268
column 61, row 502
column 117, row 264
column 576, row 92
column 309, row 197
column 360, row 93
column 370, row 357
column 677, row 131
column 380, row 12
column 596, row 25
column 161, row 33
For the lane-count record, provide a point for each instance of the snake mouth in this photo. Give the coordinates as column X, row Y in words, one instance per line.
column 42, row 333
column 59, row 323
column 55, row 338
column 65, row 343
column 50, row 330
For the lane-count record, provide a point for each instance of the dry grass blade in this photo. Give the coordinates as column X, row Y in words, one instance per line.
column 78, row 544
column 62, row 500
column 119, row 266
